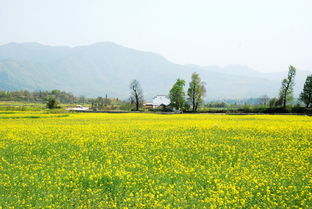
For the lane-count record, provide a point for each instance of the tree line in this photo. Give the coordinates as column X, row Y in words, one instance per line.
column 192, row 99
column 286, row 91
column 40, row 96
column 177, row 96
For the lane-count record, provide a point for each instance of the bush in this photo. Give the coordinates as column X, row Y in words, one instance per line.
column 53, row 103
column 276, row 110
column 163, row 108
column 303, row 110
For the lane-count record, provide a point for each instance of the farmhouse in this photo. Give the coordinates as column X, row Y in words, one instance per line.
column 160, row 100
column 148, row 106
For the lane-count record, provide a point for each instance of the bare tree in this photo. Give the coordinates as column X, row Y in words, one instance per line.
column 264, row 100
column 136, row 94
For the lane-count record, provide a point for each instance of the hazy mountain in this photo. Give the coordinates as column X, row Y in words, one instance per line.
column 107, row 68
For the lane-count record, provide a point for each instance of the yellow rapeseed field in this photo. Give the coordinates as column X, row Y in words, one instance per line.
column 155, row 161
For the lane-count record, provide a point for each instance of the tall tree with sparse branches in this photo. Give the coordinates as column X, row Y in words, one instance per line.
column 286, row 91
column 306, row 94
column 196, row 91
column 136, row 94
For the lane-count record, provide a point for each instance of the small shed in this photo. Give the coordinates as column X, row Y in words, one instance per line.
column 148, row 106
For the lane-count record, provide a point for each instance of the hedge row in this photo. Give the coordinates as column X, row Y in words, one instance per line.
column 295, row 110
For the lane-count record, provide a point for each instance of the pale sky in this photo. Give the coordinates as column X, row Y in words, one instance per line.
column 267, row 35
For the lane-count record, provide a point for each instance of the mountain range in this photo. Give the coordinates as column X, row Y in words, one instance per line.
column 107, row 68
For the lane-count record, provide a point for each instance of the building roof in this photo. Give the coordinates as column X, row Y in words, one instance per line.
column 160, row 96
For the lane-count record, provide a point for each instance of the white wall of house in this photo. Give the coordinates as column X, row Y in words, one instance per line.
column 161, row 99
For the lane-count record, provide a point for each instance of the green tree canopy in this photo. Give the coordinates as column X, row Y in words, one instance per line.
column 306, row 94
column 177, row 94
column 286, row 91
column 196, row 91
column 52, row 103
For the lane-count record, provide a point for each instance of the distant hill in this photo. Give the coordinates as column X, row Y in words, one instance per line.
column 107, row 68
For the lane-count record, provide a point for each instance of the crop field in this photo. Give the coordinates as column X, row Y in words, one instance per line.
column 154, row 161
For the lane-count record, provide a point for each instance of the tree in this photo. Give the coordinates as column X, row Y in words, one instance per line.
column 97, row 104
column 306, row 94
column 177, row 94
column 81, row 99
column 136, row 94
column 286, row 91
column 52, row 103
column 264, row 100
column 196, row 91
column 274, row 102
column 107, row 101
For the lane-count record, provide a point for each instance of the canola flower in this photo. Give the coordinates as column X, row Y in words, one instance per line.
column 154, row 161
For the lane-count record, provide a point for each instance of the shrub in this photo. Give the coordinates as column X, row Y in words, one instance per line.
column 53, row 103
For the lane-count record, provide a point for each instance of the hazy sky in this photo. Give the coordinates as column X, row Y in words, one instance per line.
column 266, row 35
